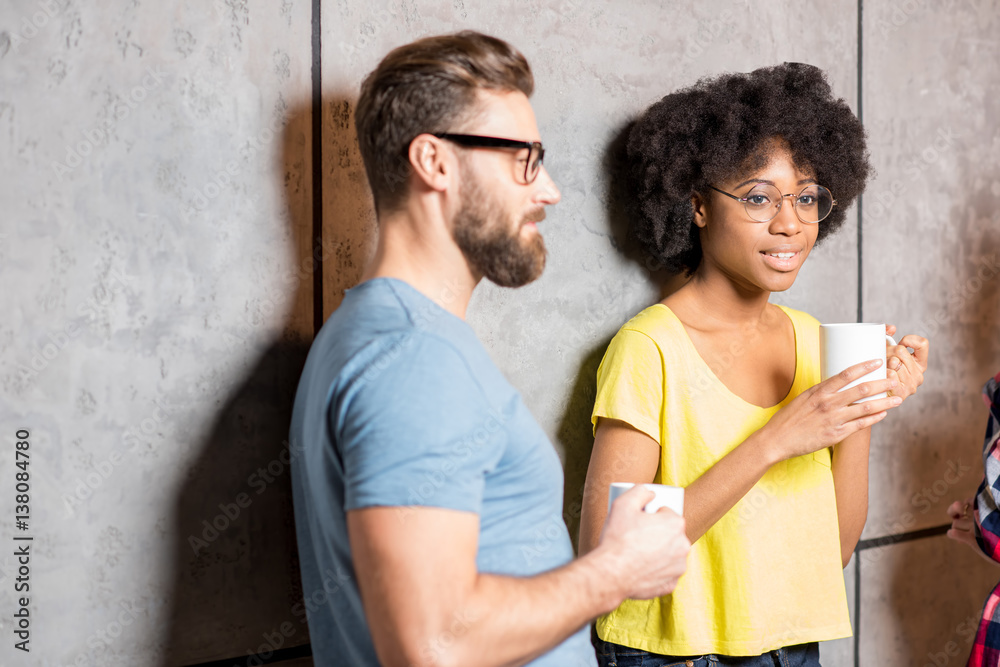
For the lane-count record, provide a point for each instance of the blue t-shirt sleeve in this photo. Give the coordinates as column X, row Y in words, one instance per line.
column 418, row 430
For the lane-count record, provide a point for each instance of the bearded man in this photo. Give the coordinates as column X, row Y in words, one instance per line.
column 428, row 501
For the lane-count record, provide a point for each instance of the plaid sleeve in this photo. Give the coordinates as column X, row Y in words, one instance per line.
column 986, row 646
column 988, row 497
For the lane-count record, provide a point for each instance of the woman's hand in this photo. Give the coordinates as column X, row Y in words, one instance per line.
column 823, row 416
column 906, row 367
column 963, row 528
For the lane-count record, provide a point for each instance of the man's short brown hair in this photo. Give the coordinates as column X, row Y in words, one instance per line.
column 427, row 86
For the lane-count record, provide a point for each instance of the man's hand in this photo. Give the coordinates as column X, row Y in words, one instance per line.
column 647, row 553
column 903, row 366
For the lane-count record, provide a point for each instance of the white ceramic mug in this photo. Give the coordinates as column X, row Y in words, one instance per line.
column 666, row 496
column 844, row 345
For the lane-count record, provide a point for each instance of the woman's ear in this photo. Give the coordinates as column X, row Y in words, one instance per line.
column 700, row 208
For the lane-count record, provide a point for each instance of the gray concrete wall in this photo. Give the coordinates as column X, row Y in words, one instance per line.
column 931, row 231
column 155, row 176
column 156, row 256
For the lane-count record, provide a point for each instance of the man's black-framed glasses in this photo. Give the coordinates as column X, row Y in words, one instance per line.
column 532, row 163
column 813, row 204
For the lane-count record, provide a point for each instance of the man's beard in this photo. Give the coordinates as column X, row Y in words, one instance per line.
column 492, row 248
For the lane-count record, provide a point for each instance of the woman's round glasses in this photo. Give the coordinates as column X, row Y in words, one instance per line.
column 532, row 162
column 764, row 200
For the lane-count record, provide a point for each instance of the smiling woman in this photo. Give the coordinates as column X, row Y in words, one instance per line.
column 722, row 128
column 753, row 238
column 717, row 390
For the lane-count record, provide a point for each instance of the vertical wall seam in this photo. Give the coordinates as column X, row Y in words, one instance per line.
column 861, row 117
column 861, row 197
column 317, row 166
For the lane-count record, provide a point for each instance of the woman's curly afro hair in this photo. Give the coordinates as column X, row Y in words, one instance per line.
column 721, row 128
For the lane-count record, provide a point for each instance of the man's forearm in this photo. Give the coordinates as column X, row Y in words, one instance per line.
column 511, row 621
column 427, row 605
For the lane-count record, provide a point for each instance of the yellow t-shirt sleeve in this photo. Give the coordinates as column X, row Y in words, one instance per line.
column 630, row 383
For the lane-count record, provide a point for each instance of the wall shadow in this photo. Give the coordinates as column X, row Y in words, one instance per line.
column 238, row 591
column 236, row 585
column 614, row 163
column 967, row 341
column 349, row 226
column 576, row 436
column 575, row 432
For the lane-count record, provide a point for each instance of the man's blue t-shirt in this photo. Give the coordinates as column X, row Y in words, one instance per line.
column 400, row 405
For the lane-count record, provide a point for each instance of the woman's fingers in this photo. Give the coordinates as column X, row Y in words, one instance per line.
column 871, row 407
column 898, row 358
column 862, row 415
column 906, row 368
column 870, row 388
column 864, row 422
column 909, row 381
column 849, row 375
column 894, row 355
column 921, row 349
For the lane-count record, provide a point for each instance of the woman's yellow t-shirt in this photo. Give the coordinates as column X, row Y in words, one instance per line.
column 769, row 573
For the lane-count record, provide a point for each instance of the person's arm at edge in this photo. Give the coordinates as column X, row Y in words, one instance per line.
column 427, row 605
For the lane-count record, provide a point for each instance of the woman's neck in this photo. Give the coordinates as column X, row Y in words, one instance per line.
column 712, row 300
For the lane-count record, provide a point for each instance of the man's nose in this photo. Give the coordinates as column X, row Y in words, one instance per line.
column 548, row 193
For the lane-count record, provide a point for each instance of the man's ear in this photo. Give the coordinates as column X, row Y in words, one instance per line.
column 433, row 165
column 700, row 207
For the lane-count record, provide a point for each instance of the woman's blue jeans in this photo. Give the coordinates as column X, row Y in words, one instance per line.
column 614, row 655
